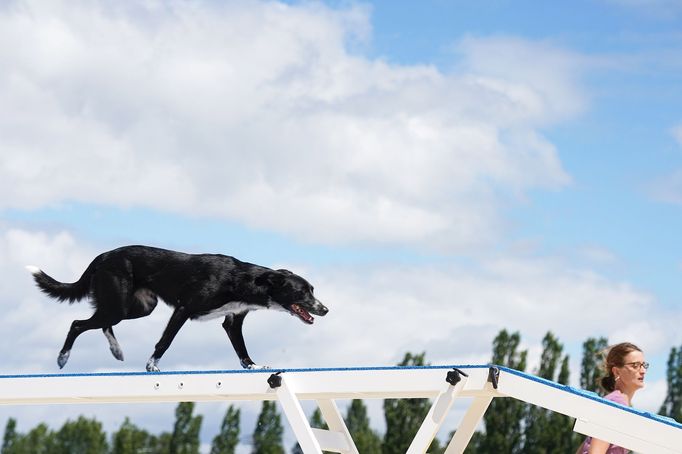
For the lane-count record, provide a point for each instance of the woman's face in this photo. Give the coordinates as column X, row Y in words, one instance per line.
column 632, row 372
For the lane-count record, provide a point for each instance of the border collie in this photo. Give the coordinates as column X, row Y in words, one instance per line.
column 127, row 282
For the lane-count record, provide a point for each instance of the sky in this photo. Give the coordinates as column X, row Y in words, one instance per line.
column 439, row 170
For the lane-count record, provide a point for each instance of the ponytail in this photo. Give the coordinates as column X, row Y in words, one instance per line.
column 608, row 382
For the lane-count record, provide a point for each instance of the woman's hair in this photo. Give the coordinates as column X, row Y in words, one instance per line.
column 615, row 357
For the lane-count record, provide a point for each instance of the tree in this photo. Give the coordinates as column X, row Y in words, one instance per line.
column 566, row 440
column 185, row 437
column 40, row 440
column 267, row 437
column 404, row 416
column 316, row 421
column 545, row 431
column 591, row 367
column 672, row 405
column 503, row 419
column 227, row 440
column 160, row 444
column 83, row 436
column 10, row 437
column 366, row 440
column 129, row 439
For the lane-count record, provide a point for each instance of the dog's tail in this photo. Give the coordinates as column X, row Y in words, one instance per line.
column 59, row 290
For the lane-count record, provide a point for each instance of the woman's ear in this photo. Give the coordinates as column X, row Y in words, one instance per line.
column 615, row 373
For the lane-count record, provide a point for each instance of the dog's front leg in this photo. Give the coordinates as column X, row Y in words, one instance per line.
column 176, row 321
column 233, row 327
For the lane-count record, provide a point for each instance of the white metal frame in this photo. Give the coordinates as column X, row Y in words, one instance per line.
column 636, row 430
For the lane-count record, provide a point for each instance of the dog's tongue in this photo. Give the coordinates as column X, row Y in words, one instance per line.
column 302, row 314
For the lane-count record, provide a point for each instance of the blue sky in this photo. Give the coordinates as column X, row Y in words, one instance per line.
column 616, row 150
column 439, row 169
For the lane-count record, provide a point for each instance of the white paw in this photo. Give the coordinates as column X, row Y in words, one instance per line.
column 257, row 367
column 63, row 358
column 117, row 352
column 151, row 365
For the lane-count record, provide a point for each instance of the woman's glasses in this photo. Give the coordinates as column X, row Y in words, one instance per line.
column 638, row 365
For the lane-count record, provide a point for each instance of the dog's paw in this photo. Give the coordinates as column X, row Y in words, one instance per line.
column 151, row 365
column 63, row 358
column 117, row 352
column 257, row 367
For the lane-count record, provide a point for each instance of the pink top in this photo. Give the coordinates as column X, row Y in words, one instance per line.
column 619, row 398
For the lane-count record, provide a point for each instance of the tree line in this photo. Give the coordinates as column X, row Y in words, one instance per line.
column 510, row 426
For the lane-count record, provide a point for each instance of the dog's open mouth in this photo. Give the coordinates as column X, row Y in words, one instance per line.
column 301, row 313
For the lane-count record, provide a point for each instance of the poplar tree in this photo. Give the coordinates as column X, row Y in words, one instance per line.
column 40, row 440
column 502, row 420
column 316, row 421
column 9, row 440
column 267, row 437
column 404, row 416
column 672, row 405
column 129, row 439
column 545, row 431
column 566, row 440
column 366, row 440
column 185, row 436
column 228, row 438
column 160, row 444
column 591, row 366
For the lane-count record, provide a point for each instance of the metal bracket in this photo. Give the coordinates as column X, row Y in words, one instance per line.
column 275, row 380
column 494, row 375
column 455, row 376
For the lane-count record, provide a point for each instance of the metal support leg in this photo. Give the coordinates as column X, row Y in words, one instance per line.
column 434, row 419
column 313, row 440
column 297, row 419
column 468, row 425
column 332, row 416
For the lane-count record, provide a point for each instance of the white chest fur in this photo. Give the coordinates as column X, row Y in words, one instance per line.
column 233, row 307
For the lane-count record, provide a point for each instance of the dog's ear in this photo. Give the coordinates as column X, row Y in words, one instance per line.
column 270, row 279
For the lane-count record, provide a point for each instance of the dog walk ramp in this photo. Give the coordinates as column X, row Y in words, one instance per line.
column 636, row 430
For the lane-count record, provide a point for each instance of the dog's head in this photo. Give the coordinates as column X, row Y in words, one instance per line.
column 292, row 293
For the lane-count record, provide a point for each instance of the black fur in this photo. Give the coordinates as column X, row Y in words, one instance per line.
column 126, row 283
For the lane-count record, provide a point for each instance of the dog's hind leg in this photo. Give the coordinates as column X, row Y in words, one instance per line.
column 77, row 328
column 233, row 327
column 108, row 299
column 140, row 304
column 113, row 343
column 176, row 321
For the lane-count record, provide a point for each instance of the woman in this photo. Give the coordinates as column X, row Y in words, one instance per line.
column 625, row 370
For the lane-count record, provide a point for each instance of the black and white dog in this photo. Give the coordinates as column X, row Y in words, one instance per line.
column 126, row 283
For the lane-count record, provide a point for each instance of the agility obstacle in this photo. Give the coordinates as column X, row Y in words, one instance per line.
column 630, row 428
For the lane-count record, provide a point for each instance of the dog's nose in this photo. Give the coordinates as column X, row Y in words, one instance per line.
column 321, row 308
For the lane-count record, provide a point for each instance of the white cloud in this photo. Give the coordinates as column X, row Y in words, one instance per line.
column 536, row 91
column 677, row 134
column 256, row 112
column 668, row 188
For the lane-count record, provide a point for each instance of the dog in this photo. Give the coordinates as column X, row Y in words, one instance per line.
column 126, row 283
